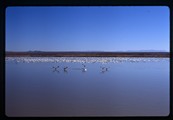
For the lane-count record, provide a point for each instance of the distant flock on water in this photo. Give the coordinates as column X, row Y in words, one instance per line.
column 83, row 59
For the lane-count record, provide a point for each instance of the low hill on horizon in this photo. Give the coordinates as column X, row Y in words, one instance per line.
column 85, row 54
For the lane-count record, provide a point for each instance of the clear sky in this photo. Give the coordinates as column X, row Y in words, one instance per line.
column 87, row 28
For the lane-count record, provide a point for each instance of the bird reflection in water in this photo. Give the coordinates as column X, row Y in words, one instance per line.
column 57, row 71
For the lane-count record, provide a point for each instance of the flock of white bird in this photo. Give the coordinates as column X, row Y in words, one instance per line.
column 82, row 59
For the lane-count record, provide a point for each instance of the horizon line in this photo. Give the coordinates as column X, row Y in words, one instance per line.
column 93, row 51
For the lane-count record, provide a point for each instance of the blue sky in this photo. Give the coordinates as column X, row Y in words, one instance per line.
column 87, row 28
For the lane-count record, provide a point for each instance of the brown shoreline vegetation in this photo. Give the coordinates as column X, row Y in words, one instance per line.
column 88, row 54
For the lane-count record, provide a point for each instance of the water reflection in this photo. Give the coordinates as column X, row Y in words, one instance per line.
column 103, row 72
column 80, row 69
column 87, row 89
column 57, row 71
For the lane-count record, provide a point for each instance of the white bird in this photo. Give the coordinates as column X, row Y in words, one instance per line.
column 84, row 69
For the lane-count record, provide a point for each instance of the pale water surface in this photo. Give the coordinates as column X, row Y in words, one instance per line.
column 129, row 87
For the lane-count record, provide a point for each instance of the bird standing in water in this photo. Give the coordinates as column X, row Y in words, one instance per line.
column 104, row 69
column 84, row 69
column 84, row 65
column 65, row 68
column 55, row 68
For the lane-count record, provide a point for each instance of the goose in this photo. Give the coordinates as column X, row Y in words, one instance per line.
column 65, row 68
column 84, row 69
column 104, row 68
column 55, row 67
column 84, row 65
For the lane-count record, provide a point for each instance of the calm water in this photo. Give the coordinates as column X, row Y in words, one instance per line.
column 129, row 87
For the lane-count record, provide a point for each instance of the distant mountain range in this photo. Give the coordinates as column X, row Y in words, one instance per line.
column 146, row 51
column 37, row 51
column 85, row 54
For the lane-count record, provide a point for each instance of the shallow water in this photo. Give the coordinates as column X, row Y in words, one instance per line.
column 129, row 87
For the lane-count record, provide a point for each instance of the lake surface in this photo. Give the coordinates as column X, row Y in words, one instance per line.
column 125, row 87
